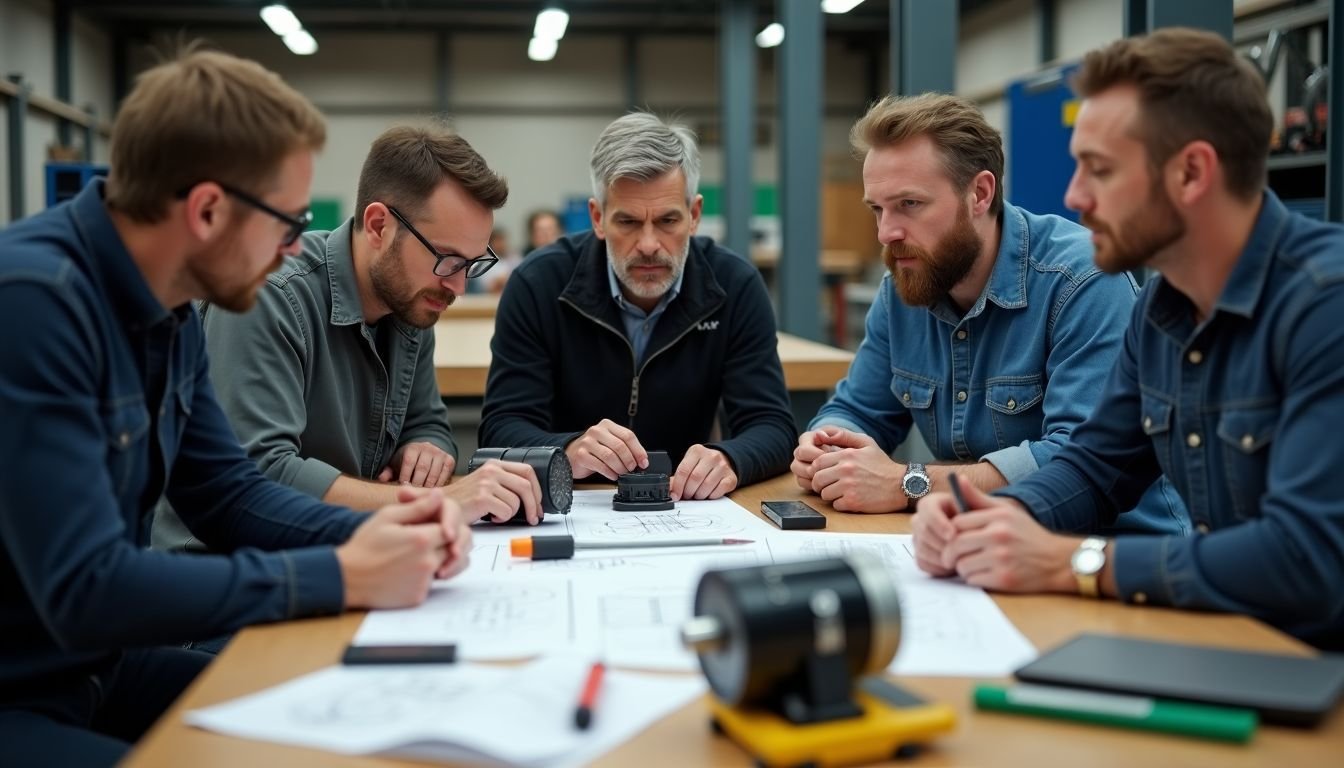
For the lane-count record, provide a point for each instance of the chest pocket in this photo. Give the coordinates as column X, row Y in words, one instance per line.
column 1155, row 420
column 1012, row 402
column 126, row 425
column 1244, row 438
column 916, row 394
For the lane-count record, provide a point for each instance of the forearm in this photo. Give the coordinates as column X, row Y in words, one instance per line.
column 981, row 474
column 363, row 495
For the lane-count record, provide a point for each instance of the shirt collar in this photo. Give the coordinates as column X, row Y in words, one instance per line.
column 1247, row 281
column 346, row 306
column 121, row 277
column 615, row 286
column 1007, row 285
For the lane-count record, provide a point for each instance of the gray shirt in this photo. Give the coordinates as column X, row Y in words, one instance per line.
column 313, row 392
column 639, row 324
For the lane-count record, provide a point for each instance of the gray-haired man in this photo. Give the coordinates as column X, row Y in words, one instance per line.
column 631, row 335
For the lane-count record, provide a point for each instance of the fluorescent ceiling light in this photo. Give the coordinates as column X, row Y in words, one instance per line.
column 280, row 19
column 770, row 36
column 839, row 6
column 301, row 43
column 541, row 49
column 551, row 24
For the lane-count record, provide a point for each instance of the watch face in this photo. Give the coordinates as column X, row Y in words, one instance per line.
column 915, row 485
column 1088, row 561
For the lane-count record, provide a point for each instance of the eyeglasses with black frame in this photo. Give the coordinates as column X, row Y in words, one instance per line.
column 297, row 224
column 475, row 267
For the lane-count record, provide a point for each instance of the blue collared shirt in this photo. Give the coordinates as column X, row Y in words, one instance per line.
column 1008, row 381
column 639, row 324
column 107, row 402
column 1243, row 413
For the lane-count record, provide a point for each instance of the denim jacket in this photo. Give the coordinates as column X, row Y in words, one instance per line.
column 1009, row 381
column 106, row 400
column 1243, row 413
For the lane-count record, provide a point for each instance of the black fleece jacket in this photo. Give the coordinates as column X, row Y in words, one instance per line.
column 561, row 362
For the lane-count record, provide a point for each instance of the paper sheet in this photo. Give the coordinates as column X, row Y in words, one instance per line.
column 593, row 519
column 947, row 627
column 453, row 712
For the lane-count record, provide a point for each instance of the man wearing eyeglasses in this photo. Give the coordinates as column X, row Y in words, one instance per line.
column 106, row 400
column 629, row 337
column 330, row 381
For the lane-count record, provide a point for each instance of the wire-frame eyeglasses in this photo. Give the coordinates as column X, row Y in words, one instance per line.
column 449, row 264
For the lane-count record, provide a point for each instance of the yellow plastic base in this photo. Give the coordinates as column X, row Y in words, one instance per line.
column 882, row 732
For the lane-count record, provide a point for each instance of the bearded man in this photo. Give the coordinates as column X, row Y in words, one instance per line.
column 329, row 383
column 993, row 332
column 632, row 335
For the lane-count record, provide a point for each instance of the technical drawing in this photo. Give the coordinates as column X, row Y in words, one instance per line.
column 386, row 700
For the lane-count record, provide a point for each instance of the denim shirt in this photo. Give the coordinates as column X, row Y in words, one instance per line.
column 1242, row 412
column 1008, row 381
column 107, row 402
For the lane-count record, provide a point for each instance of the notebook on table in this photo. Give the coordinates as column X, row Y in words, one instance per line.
column 1294, row 690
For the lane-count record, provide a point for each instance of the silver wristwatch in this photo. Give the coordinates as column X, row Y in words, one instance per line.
column 1086, row 563
column 916, row 483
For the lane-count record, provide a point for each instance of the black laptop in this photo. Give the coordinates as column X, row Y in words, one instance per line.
column 1294, row 690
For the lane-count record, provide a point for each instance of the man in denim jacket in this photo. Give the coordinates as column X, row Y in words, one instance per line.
column 1002, row 335
column 1230, row 380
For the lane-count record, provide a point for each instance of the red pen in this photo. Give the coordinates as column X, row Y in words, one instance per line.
column 583, row 716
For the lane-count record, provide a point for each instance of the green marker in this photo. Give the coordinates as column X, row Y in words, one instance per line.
column 1120, row 710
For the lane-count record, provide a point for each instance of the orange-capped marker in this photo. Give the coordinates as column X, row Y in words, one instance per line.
column 561, row 547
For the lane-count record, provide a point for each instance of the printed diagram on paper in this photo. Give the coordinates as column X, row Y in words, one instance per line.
column 383, row 700
column 593, row 519
column 896, row 551
column 499, row 619
column 636, row 624
column 651, row 561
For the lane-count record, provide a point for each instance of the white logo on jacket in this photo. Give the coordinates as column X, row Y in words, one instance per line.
column 708, row 325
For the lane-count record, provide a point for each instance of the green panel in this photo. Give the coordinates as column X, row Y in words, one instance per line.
column 326, row 213
column 765, row 201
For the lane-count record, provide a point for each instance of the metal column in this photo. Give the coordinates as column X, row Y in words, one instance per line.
column 61, row 39
column 737, row 99
column 631, row 55
column 1213, row 15
column 1334, row 139
column 1045, row 16
column 800, row 74
column 18, row 112
column 928, row 46
column 443, row 80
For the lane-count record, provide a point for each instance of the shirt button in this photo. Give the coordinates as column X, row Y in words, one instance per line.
column 961, row 396
column 1193, row 440
column 1140, row 597
column 1147, row 422
column 1202, row 528
column 1011, row 404
column 905, row 398
column 124, row 438
column 1195, row 357
column 1247, row 442
column 961, row 334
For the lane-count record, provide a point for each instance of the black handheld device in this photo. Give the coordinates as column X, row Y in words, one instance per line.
column 399, row 654
column 792, row 515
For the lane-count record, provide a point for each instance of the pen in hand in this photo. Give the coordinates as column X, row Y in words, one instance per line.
column 583, row 715
column 956, row 493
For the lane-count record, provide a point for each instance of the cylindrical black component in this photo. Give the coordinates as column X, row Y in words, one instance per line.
column 760, row 627
column 550, row 464
column 642, row 492
column 552, row 547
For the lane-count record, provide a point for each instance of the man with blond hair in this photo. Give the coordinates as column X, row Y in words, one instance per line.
column 991, row 334
column 1230, row 380
column 107, row 402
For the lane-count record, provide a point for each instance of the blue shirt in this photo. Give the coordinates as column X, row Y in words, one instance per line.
column 639, row 324
column 1243, row 413
column 1008, row 381
column 107, row 402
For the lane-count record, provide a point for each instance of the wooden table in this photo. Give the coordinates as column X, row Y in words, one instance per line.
column 264, row 656
column 462, row 359
column 473, row 306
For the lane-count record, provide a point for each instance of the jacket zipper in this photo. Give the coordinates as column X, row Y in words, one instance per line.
column 633, row 407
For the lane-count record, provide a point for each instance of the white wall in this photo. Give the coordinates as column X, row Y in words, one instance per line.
column 27, row 45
